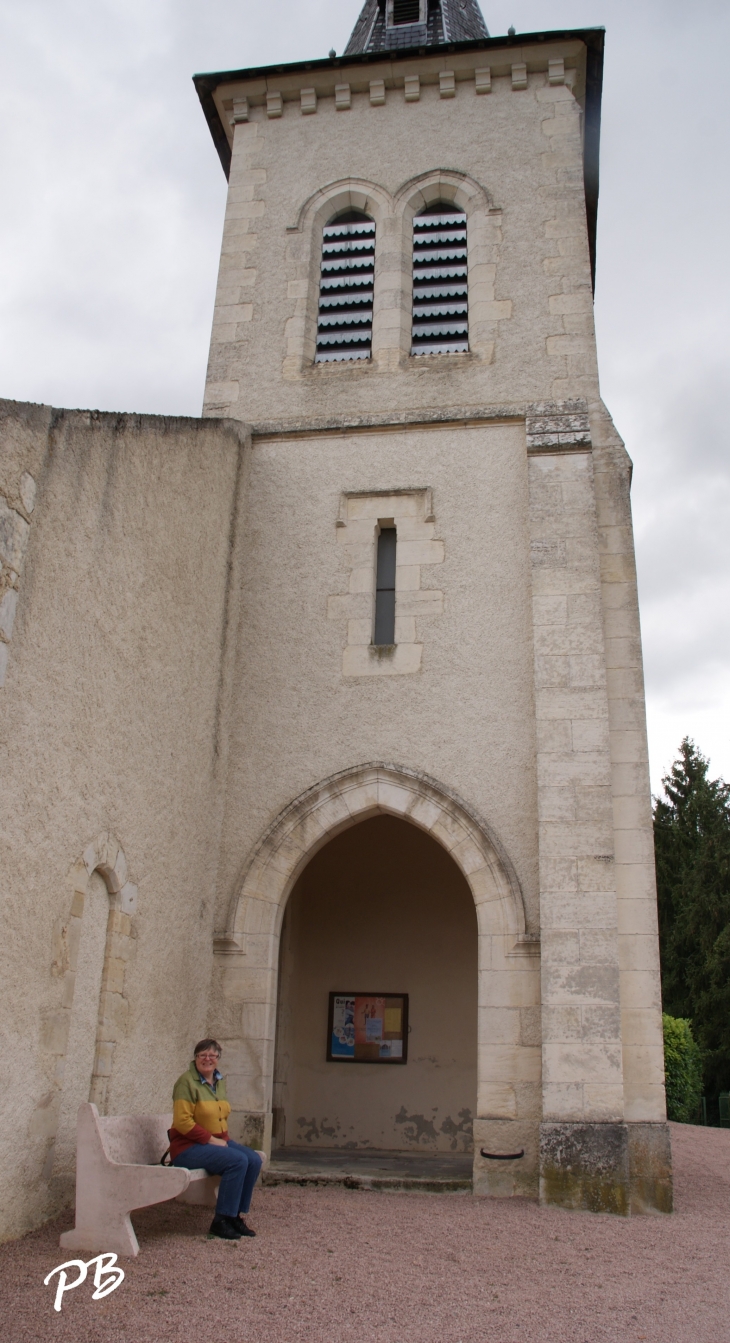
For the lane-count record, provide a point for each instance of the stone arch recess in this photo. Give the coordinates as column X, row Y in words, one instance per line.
column 349, row 193
column 441, row 184
column 248, row 952
column 106, row 856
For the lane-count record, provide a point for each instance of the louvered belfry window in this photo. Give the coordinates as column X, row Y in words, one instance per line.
column 440, row 288
column 406, row 11
column 345, row 322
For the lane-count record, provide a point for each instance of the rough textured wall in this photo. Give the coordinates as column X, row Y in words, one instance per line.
column 382, row 908
column 108, row 756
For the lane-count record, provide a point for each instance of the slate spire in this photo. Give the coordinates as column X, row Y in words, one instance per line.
column 415, row 23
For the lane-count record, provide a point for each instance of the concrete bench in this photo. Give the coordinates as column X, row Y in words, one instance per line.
column 118, row 1169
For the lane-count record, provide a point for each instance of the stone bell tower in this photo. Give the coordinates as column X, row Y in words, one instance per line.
column 436, row 610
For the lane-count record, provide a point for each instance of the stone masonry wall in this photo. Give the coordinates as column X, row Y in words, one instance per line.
column 643, row 1048
column 581, row 1029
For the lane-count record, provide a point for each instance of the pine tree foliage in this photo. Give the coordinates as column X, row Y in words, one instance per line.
column 692, row 845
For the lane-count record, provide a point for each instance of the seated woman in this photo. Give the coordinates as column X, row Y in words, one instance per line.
column 199, row 1140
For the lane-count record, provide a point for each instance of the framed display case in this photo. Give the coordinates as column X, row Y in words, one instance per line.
column 367, row 1028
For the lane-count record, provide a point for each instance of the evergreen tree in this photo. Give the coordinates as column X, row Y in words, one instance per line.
column 692, row 845
column 683, row 1069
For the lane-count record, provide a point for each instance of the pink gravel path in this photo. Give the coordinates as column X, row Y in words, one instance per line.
column 342, row 1266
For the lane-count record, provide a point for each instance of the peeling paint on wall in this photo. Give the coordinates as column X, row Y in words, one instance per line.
column 418, row 1129
column 310, row 1129
column 461, row 1133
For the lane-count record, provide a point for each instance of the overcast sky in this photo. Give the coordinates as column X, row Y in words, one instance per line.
column 112, row 207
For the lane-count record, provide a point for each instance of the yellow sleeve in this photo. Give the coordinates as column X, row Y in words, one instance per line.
column 183, row 1116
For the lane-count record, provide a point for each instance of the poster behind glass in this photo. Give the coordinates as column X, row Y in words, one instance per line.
column 368, row 1028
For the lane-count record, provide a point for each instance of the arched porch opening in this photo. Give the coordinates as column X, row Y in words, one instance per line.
column 508, row 969
column 381, row 910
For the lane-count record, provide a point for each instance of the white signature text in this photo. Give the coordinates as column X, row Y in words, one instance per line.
column 107, row 1276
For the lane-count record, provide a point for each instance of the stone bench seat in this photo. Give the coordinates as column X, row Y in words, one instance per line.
column 118, row 1169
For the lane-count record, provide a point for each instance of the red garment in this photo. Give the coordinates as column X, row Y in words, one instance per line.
column 180, row 1141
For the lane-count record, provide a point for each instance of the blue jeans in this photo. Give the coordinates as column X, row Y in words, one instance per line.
column 237, row 1166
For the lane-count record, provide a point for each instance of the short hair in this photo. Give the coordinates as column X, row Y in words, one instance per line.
column 206, row 1044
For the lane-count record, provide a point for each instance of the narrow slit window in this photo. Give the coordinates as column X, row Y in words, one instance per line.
column 385, row 588
column 345, row 320
column 440, row 281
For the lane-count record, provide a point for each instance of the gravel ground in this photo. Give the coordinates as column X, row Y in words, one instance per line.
column 335, row 1265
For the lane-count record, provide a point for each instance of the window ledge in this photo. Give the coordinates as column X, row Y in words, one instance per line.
column 354, row 368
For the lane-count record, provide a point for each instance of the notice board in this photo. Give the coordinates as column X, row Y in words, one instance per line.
column 367, row 1028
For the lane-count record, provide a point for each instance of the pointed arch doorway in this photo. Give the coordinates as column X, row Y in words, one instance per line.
column 508, row 968
column 381, row 910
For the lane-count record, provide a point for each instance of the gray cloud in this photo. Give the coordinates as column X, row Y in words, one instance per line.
column 113, row 200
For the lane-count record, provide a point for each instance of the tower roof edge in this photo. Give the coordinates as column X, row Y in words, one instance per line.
column 209, row 85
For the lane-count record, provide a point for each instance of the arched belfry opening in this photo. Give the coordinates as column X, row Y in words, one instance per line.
column 440, row 280
column 347, row 277
column 383, row 919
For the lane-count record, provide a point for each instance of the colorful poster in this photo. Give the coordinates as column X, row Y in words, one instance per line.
column 342, row 1032
column 368, row 1027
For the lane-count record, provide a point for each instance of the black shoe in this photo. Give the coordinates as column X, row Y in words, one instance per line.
column 243, row 1230
column 225, row 1228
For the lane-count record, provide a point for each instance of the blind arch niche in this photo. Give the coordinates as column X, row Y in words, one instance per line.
column 440, row 281
column 345, row 317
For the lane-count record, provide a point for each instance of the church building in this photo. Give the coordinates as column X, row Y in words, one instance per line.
column 323, row 722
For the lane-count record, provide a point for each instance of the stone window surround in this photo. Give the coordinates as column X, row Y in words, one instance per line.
column 361, row 515
column 393, row 288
